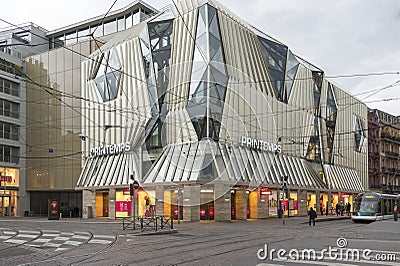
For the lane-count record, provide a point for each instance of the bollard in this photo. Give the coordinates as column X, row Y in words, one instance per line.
column 60, row 215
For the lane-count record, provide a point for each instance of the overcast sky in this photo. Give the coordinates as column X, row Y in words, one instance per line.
column 342, row 37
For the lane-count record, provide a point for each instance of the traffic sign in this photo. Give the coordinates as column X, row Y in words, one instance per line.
column 135, row 184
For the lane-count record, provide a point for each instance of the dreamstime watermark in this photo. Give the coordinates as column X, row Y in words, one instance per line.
column 338, row 253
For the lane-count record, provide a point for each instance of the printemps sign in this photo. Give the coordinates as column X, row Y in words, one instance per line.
column 110, row 149
column 260, row 145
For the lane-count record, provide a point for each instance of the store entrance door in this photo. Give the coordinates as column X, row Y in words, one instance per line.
column 105, row 204
column 5, row 205
column 207, row 211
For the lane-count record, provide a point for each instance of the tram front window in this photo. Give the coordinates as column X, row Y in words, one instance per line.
column 366, row 205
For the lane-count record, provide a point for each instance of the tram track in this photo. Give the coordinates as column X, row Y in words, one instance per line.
column 60, row 255
column 22, row 244
column 149, row 247
column 78, row 258
column 147, row 257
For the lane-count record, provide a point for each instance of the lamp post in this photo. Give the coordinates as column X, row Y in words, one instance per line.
column 4, row 177
column 179, row 199
column 285, row 192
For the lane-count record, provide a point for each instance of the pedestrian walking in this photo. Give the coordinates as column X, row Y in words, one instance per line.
column 312, row 215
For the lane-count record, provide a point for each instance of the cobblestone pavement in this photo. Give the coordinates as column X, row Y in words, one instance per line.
column 37, row 241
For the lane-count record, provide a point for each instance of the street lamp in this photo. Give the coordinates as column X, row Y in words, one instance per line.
column 178, row 198
column 285, row 195
column 4, row 192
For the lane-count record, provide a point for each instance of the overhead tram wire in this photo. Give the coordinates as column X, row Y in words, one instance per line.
column 257, row 81
column 65, row 47
column 63, row 94
column 303, row 127
column 69, row 49
column 263, row 114
column 185, row 24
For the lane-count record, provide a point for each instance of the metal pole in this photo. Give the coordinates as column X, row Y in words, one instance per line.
column 179, row 210
column 5, row 189
column 134, row 209
column 4, row 193
column 283, row 208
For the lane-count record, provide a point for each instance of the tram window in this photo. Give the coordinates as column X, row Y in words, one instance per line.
column 386, row 204
column 390, row 206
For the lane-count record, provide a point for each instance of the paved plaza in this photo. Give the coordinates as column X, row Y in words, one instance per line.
column 38, row 241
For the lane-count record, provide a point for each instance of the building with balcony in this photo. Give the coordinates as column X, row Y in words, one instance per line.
column 383, row 151
column 216, row 120
column 16, row 43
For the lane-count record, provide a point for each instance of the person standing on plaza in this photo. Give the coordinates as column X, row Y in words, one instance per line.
column 312, row 215
column 341, row 209
column 337, row 209
column 348, row 208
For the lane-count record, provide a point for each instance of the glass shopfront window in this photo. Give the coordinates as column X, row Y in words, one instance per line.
column 146, row 203
column 311, row 201
column 206, row 204
column 293, row 203
column 323, row 203
column 123, row 203
column 273, row 203
column 9, row 181
column 334, row 202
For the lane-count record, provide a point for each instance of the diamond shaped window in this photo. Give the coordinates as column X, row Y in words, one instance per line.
column 359, row 135
column 108, row 76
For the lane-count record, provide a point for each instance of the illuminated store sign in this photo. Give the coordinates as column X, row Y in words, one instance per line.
column 7, row 178
column 260, row 145
column 110, row 149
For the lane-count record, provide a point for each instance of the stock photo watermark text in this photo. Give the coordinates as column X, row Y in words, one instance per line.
column 340, row 252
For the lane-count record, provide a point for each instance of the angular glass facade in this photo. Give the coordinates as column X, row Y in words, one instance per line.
column 108, row 76
column 160, row 42
column 209, row 77
column 358, row 135
column 331, row 115
column 282, row 66
column 314, row 146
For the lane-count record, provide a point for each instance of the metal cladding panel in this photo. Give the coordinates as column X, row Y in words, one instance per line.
column 343, row 179
column 178, row 125
column 240, row 164
column 109, row 170
column 313, row 177
column 250, row 109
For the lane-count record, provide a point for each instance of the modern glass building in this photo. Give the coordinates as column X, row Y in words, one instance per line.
column 54, row 109
column 216, row 120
